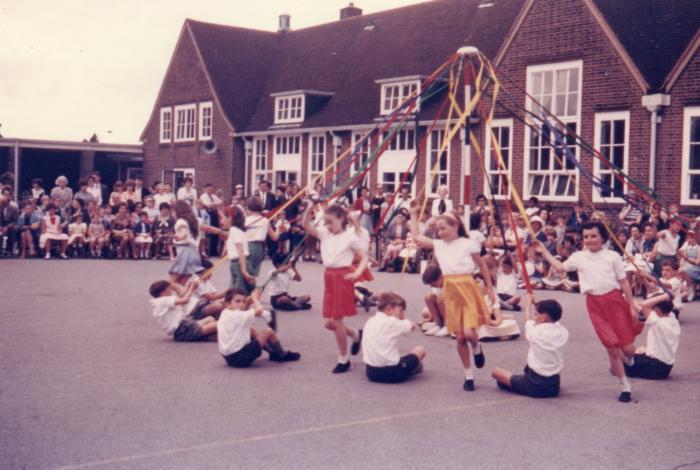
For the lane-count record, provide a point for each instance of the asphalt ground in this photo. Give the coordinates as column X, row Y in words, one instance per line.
column 89, row 380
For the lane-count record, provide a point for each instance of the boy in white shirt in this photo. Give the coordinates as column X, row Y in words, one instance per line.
column 171, row 303
column 545, row 358
column 432, row 276
column 239, row 343
column 670, row 283
column 278, row 285
column 656, row 360
column 210, row 301
column 506, row 285
column 380, row 352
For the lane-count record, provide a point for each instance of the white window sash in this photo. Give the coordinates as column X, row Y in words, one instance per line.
column 166, row 125
column 599, row 168
column 185, row 122
column 290, row 109
column 393, row 95
column 433, row 150
column 492, row 157
column 317, row 157
column 206, row 120
column 689, row 114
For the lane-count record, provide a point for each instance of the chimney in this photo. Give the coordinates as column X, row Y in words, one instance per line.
column 285, row 22
column 350, row 11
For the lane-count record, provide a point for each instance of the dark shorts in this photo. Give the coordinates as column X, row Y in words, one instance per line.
column 189, row 331
column 646, row 367
column 407, row 366
column 245, row 356
column 292, row 306
column 505, row 297
column 532, row 384
column 198, row 311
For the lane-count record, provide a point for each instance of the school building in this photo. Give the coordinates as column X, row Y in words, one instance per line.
column 239, row 105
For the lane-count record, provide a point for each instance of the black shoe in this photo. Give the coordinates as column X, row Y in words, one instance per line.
column 479, row 359
column 367, row 303
column 364, row 291
column 341, row 368
column 468, row 385
column 517, row 308
column 273, row 323
column 355, row 348
column 625, row 397
column 289, row 356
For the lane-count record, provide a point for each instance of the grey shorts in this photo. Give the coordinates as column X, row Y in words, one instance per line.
column 189, row 331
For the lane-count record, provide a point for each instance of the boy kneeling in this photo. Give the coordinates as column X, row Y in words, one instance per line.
column 172, row 312
column 239, row 343
column 545, row 359
column 380, row 353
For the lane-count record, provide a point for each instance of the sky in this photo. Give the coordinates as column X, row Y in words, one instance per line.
column 71, row 68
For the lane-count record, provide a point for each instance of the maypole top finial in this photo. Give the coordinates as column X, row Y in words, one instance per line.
column 468, row 50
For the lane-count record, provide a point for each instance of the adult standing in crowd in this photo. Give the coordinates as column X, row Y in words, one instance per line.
column 62, row 191
column 267, row 199
column 37, row 189
column 187, row 192
column 212, row 203
column 99, row 190
column 442, row 203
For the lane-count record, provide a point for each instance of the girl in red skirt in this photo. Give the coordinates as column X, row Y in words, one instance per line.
column 338, row 247
column 611, row 307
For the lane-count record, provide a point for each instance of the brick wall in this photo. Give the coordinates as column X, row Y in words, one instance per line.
column 187, row 83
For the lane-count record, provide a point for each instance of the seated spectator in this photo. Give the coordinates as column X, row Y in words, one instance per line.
column 143, row 239
column 37, row 189
column 122, row 233
column 77, row 235
column 9, row 212
column 690, row 255
column 62, row 191
column 98, row 234
column 395, row 239
column 577, row 218
column 164, row 231
column 29, row 229
column 52, row 231
column 115, row 199
column 83, row 195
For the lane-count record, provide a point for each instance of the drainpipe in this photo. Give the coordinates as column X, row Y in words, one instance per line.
column 248, row 151
column 17, row 170
column 654, row 104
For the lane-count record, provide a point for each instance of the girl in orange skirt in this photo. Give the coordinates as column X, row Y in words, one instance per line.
column 465, row 310
column 611, row 307
column 338, row 247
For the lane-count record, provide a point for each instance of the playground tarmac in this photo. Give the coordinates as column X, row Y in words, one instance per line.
column 89, row 380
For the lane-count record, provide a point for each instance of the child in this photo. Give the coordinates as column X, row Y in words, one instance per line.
column 76, row 234
column 506, row 285
column 237, row 252
column 210, row 301
column 239, row 343
column 171, row 312
column 435, row 303
column 52, row 231
column 338, row 246
column 669, row 280
column 186, row 241
column 667, row 245
column 609, row 300
column 657, row 360
column 545, row 358
column 142, row 236
column 97, row 234
column 379, row 349
column 165, row 229
column 465, row 310
column 278, row 285
column 151, row 210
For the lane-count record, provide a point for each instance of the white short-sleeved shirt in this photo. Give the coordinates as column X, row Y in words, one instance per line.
column 477, row 236
column 183, row 228
column 279, row 283
column 168, row 313
column 668, row 246
column 455, row 257
column 204, row 288
column 184, row 194
column 598, row 272
column 364, row 239
column 256, row 228
column 337, row 249
column 235, row 236
column 379, row 339
column 233, row 330
column 662, row 338
column 676, row 288
column 506, row 283
column 547, row 342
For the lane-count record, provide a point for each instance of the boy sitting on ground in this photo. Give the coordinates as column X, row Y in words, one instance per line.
column 280, row 277
column 239, row 343
column 210, row 301
column 506, row 285
column 381, row 332
column 171, row 303
column 435, row 324
column 656, row 360
column 545, row 359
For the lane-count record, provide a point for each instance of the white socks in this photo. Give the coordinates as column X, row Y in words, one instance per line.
column 626, row 385
column 477, row 349
column 469, row 373
column 628, row 360
column 343, row 359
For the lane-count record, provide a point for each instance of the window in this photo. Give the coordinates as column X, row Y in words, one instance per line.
column 690, row 183
column 402, row 140
column 611, row 140
column 166, row 125
column 289, row 109
column 205, row 120
column 260, row 169
column 288, row 145
column 502, row 139
column 361, row 160
column 394, row 94
column 317, row 158
column 185, row 122
column 549, row 175
column 438, row 162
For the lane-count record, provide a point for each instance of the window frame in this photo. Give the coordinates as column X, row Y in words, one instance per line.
column 400, row 97
column 186, row 108
column 288, row 100
column 264, row 173
column 551, row 172
column 598, row 169
column 689, row 113
column 313, row 174
column 429, row 163
column 498, row 123
column 161, row 129
column 206, row 105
